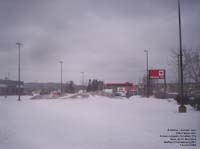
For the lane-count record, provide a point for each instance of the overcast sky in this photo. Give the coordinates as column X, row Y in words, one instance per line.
column 105, row 39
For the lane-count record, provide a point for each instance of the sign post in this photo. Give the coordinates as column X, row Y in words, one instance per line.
column 159, row 74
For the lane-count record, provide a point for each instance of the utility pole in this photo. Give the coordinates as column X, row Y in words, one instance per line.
column 61, row 81
column 147, row 65
column 19, row 86
column 182, row 108
column 179, row 82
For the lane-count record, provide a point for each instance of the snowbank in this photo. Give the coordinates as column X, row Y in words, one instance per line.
column 93, row 123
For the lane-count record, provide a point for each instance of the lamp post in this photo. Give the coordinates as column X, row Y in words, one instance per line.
column 182, row 108
column 147, row 85
column 82, row 79
column 19, row 87
column 61, row 81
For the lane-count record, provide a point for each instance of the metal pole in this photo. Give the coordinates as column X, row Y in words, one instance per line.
column 61, row 81
column 182, row 108
column 147, row 65
column 19, row 86
column 179, row 82
column 82, row 80
column 165, row 84
column 8, row 75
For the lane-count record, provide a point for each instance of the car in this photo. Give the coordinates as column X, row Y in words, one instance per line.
column 122, row 94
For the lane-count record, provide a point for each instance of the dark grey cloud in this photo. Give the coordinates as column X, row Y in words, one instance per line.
column 105, row 39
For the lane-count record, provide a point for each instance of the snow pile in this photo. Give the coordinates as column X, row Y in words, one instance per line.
column 97, row 122
column 80, row 94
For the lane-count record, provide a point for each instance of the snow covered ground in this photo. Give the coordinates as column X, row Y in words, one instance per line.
column 92, row 123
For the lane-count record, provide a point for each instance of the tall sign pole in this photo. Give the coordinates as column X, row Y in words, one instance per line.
column 159, row 74
column 147, row 65
column 19, row 86
column 165, row 84
column 182, row 108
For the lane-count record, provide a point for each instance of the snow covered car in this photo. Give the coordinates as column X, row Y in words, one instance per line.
column 122, row 94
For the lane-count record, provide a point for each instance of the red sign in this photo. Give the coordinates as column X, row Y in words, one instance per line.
column 157, row 74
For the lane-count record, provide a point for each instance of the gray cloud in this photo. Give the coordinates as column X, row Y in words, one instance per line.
column 105, row 39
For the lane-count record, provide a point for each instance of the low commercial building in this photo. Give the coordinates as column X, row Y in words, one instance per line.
column 10, row 87
column 126, row 88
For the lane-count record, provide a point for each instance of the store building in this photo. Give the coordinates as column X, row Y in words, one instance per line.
column 10, row 87
column 122, row 87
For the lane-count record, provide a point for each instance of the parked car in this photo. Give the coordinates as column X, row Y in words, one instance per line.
column 122, row 94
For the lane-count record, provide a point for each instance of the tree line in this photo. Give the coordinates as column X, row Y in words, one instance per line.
column 93, row 85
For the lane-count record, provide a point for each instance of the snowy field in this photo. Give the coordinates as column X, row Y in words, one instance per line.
column 92, row 123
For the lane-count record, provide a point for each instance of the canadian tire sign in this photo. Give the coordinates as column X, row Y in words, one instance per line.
column 157, row 74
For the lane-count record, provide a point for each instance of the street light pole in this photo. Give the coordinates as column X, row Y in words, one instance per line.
column 61, row 81
column 19, row 86
column 147, row 65
column 182, row 108
column 82, row 79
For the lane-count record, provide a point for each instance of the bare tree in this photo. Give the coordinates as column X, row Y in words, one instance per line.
column 191, row 64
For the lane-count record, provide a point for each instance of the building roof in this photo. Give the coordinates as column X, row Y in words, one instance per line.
column 119, row 84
